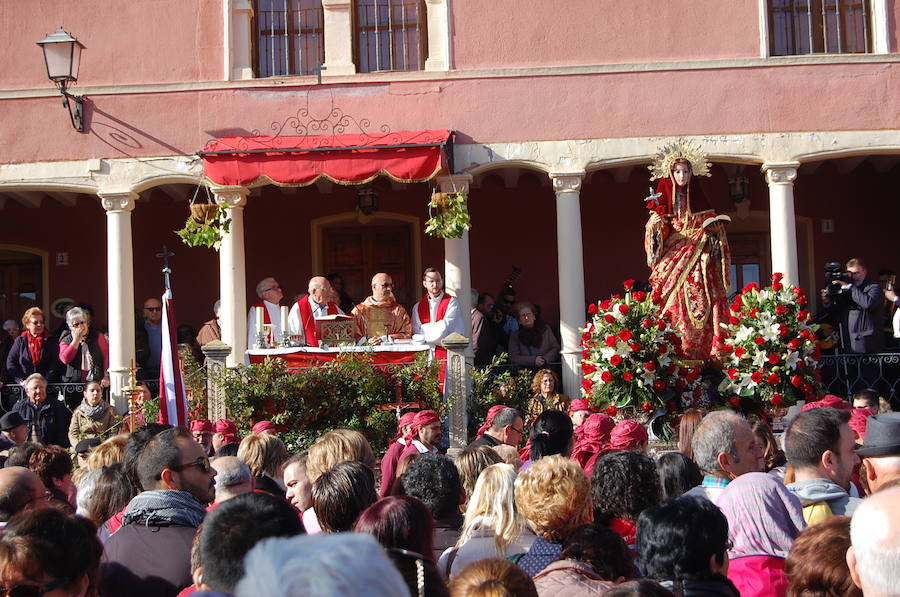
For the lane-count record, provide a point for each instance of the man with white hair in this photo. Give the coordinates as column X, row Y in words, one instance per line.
column 270, row 295
column 315, row 305
column 724, row 448
column 874, row 554
column 380, row 318
column 47, row 418
column 881, row 451
column 233, row 478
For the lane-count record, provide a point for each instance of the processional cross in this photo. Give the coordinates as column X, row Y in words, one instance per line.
column 166, row 270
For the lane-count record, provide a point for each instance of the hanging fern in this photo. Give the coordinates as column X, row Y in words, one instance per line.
column 449, row 217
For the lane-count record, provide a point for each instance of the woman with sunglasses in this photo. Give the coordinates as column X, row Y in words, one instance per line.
column 46, row 553
column 83, row 350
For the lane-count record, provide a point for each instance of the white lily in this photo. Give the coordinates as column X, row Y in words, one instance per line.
column 793, row 358
column 759, row 359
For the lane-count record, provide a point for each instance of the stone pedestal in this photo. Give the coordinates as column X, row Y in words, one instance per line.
column 458, row 389
column 216, row 352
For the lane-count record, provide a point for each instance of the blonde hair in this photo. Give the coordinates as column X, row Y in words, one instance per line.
column 108, row 453
column 554, row 496
column 470, row 462
column 263, row 453
column 29, row 313
column 492, row 577
column 493, row 504
column 337, row 446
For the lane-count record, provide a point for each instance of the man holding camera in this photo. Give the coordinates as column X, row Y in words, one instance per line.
column 856, row 303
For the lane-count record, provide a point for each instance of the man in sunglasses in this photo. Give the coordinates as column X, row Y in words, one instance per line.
column 150, row 554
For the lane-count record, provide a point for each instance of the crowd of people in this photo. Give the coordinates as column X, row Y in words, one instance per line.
column 571, row 503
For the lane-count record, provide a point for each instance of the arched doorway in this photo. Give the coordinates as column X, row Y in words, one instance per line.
column 23, row 281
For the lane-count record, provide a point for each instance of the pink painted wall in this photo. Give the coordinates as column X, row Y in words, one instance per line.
column 127, row 42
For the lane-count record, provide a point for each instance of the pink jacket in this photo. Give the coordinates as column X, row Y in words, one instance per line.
column 568, row 578
column 758, row 576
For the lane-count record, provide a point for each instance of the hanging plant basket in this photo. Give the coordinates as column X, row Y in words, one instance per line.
column 206, row 225
column 448, row 215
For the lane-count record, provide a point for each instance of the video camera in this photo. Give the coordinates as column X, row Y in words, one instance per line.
column 835, row 273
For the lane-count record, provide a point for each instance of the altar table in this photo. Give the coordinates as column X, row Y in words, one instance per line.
column 307, row 356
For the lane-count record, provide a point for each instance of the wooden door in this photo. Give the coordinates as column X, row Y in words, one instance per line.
column 359, row 252
column 20, row 284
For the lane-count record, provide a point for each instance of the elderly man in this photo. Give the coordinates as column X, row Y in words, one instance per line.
column 20, row 490
column 819, row 445
column 315, row 305
column 11, row 327
column 150, row 553
column 13, row 430
column 270, row 295
column 437, row 315
column 724, row 448
column 506, row 428
column 881, row 451
column 47, row 419
column 233, row 478
column 380, row 318
column 874, row 554
column 202, row 431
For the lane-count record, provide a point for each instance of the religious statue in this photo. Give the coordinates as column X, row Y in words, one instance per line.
column 687, row 251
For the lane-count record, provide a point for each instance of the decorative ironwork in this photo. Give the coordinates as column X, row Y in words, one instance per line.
column 844, row 374
column 335, row 122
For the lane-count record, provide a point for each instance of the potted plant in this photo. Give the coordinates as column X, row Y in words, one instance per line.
column 205, row 226
column 449, row 217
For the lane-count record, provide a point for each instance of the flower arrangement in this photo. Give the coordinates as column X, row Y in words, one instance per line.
column 771, row 356
column 449, row 217
column 630, row 356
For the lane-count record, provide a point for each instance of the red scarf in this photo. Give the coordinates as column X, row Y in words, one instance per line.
column 425, row 311
column 35, row 345
column 308, row 319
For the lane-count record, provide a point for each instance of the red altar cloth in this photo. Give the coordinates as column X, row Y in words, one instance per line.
column 404, row 156
column 299, row 358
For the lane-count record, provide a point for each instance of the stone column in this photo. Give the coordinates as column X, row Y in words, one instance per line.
column 459, row 387
column 571, row 275
column 781, row 219
column 338, row 35
column 216, row 352
column 232, row 275
column 457, row 266
column 239, row 54
column 438, row 35
column 120, row 291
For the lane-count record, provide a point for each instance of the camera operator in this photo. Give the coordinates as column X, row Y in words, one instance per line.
column 856, row 302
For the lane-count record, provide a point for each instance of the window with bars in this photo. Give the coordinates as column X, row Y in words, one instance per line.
column 390, row 35
column 819, row 26
column 289, row 37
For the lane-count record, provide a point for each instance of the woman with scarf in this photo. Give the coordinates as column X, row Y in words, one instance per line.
column 764, row 518
column 533, row 344
column 34, row 351
column 94, row 417
column 83, row 350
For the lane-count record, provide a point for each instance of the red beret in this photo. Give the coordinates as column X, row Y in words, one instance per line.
column 202, row 425
column 264, row 426
column 627, row 435
column 228, row 429
column 489, row 419
column 580, row 404
column 422, row 418
column 829, row 401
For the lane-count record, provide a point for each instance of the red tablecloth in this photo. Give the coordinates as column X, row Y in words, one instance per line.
column 301, row 359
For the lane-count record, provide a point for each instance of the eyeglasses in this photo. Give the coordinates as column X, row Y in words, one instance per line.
column 272, row 288
column 77, row 324
column 519, row 431
column 152, row 308
column 201, row 463
column 33, row 590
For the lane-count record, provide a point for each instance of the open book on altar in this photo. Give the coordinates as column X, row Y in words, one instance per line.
column 336, row 330
column 715, row 219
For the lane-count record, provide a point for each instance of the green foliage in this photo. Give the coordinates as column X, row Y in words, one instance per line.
column 194, row 383
column 498, row 384
column 343, row 393
column 450, row 217
column 205, row 234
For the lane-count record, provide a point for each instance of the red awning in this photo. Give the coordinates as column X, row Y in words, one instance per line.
column 403, row 156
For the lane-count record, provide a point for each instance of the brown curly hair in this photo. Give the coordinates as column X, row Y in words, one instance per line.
column 554, row 496
column 816, row 565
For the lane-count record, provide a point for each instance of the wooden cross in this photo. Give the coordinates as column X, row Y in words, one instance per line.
column 166, row 253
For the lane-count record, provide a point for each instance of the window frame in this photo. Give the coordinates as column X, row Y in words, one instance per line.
column 257, row 38
column 422, row 26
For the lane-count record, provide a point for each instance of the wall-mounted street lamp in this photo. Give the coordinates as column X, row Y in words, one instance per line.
column 62, row 56
column 367, row 200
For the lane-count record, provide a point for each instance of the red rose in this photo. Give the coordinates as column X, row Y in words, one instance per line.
column 585, row 354
column 732, row 373
column 735, row 401
column 639, row 295
column 628, row 284
column 592, row 308
column 794, row 344
column 807, row 388
column 625, row 335
column 774, row 358
column 609, row 318
column 635, row 346
column 750, row 287
column 655, row 298
column 611, row 341
column 662, row 349
column 606, row 376
column 804, row 334
column 803, row 315
column 615, row 360
column 586, row 336
column 586, row 385
column 797, row 290
column 617, row 297
column 733, row 320
column 650, row 365
column 623, row 309
column 796, row 381
column 801, row 300
column 628, row 376
column 776, row 286
column 588, row 368
column 783, row 330
column 739, row 351
column 759, row 340
column 612, row 411
column 756, row 377
column 727, row 348
column 606, row 305
column 754, row 313
column 646, row 323
column 780, row 310
column 776, row 399
column 646, row 407
column 660, row 325
column 659, row 385
column 773, row 379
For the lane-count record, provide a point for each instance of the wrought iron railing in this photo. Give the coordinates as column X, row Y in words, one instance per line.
column 844, row 374
column 11, row 393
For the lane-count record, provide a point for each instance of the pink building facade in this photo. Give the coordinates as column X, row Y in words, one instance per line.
column 556, row 110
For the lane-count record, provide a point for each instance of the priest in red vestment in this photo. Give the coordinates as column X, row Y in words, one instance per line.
column 270, row 295
column 380, row 318
column 315, row 305
column 436, row 316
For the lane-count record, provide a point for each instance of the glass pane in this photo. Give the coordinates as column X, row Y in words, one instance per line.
column 750, row 273
column 734, row 280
